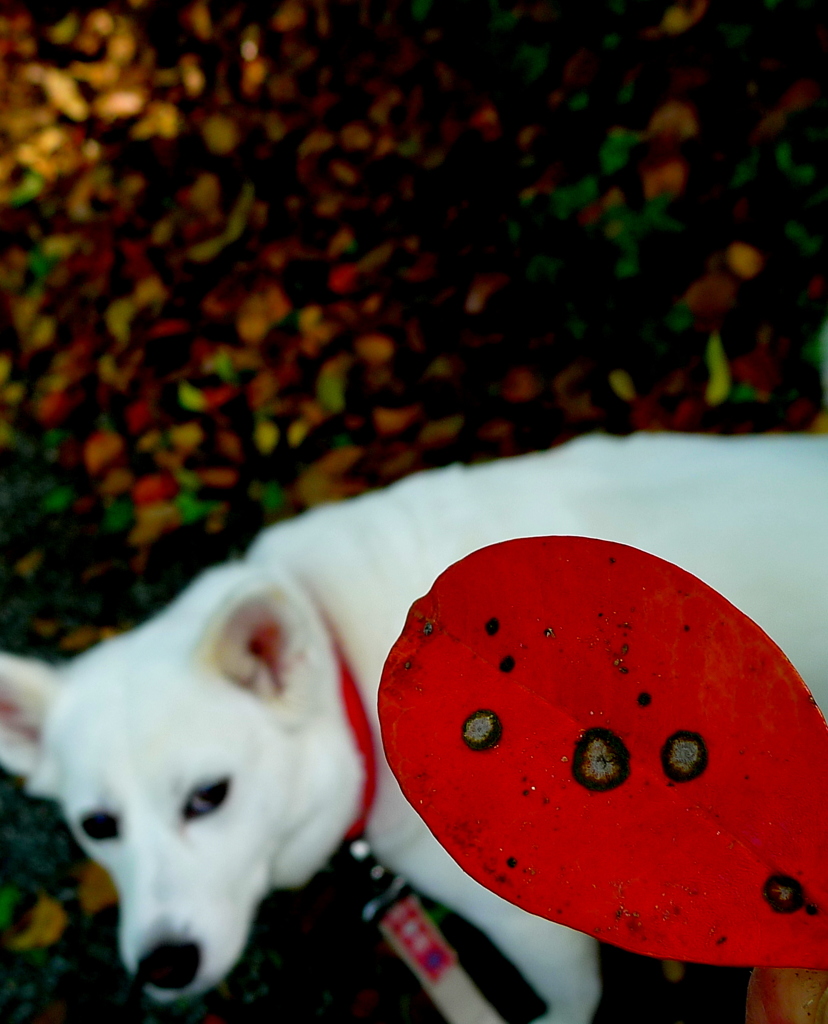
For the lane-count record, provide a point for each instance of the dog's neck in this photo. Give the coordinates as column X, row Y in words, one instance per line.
column 361, row 730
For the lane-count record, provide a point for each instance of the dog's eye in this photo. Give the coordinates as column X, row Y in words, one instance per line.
column 206, row 799
column 100, row 826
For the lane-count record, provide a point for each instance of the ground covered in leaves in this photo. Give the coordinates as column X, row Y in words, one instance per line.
column 254, row 261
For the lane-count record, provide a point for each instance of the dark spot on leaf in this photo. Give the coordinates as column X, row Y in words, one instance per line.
column 612, row 561
column 644, row 699
column 783, row 893
column 600, row 761
column 684, row 756
column 482, row 730
column 512, row 862
column 625, row 648
column 407, row 665
column 686, row 629
column 549, row 631
column 507, row 664
column 492, row 626
column 428, row 628
column 721, row 939
column 812, row 909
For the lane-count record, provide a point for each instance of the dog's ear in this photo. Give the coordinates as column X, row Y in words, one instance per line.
column 249, row 647
column 27, row 689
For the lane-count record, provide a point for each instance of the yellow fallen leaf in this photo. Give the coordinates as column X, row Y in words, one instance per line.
column 744, row 260
column 96, row 890
column 42, row 926
column 152, row 521
column 266, row 436
column 441, row 432
column 297, row 431
column 189, row 397
column 63, row 91
column 374, row 349
column 622, row 384
column 79, row 639
column 718, row 367
column 118, row 317
column 187, row 436
column 220, row 134
column 29, row 564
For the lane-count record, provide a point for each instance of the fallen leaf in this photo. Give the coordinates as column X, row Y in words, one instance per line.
column 482, row 288
column 96, row 890
column 154, row 488
column 266, row 436
column 63, row 91
column 390, row 422
column 438, row 433
column 375, row 349
column 744, row 260
column 101, row 449
column 718, row 367
column 622, row 385
column 41, row 927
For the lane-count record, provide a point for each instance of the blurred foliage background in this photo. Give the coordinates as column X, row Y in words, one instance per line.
column 257, row 257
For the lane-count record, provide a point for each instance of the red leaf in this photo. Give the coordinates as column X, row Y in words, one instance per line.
column 154, row 487
column 649, row 762
column 138, row 416
column 343, row 278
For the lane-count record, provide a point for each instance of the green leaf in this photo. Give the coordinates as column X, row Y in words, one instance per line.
column 119, row 516
column 625, row 93
column 611, row 41
column 40, row 264
column 735, row 36
column 531, row 61
column 615, row 151
column 224, row 367
column 189, row 397
column 543, row 268
column 808, row 245
column 513, row 227
column 191, row 508
column 9, row 897
column 798, row 174
column 420, row 9
column 627, row 265
column 273, row 497
column 565, row 201
column 679, row 318
column 29, row 188
column 579, row 101
column 742, row 392
column 59, row 499
column 746, row 170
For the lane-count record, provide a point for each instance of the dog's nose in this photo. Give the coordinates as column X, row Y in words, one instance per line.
column 170, row 965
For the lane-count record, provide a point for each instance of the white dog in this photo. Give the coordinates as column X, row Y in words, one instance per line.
column 207, row 757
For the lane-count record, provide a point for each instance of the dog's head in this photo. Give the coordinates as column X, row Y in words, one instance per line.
column 203, row 759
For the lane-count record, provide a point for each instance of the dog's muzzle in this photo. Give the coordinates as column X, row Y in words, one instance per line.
column 170, row 966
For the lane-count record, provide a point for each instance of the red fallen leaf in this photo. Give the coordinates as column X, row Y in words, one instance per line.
column 602, row 739
column 52, row 409
column 343, row 279
column 168, row 328
column 154, row 487
column 216, row 397
column 138, row 416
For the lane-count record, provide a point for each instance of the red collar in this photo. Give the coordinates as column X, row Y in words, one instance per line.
column 361, row 729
